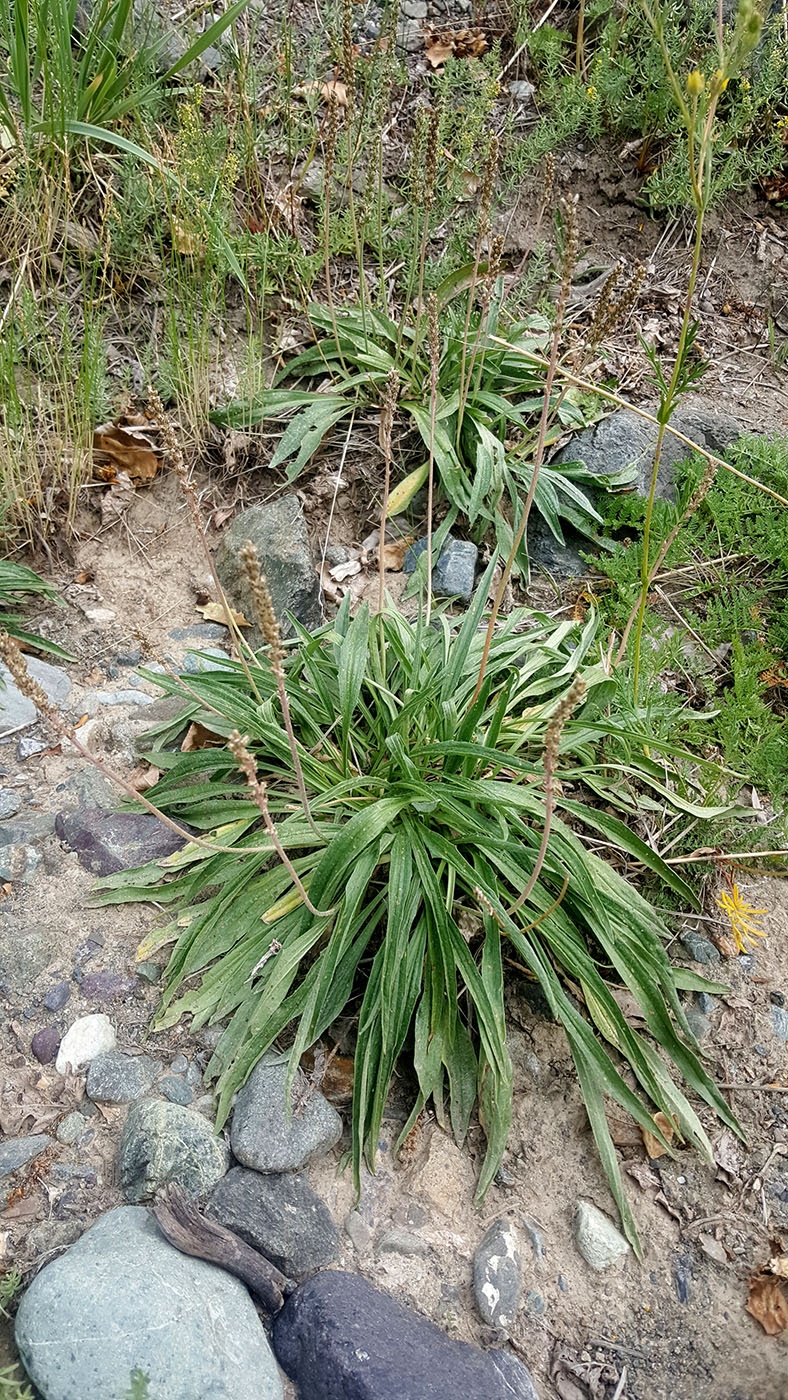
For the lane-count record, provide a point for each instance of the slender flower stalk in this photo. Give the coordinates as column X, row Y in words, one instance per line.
column 387, row 409
column 430, row 174
column 240, row 752
column 482, row 231
column 332, row 129
column 435, row 353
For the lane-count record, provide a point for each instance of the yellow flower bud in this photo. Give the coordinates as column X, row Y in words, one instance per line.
column 695, row 83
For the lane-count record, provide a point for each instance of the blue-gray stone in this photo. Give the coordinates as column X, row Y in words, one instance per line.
column 180, row 1064
column 175, row 1089
column 117, row 1078
column 17, row 1152
column 278, row 531
column 705, row 1003
column 194, row 663
column 280, row 1216
column 454, row 572
column 339, row 1338
column 122, row 697
column 149, row 972
column 780, row 1023
column 534, row 1303
column 18, row 864
column 267, row 1136
column 698, row 947
column 129, row 658
column 497, row 1277
column 10, row 803
column 56, row 999
column 120, row 1300
column 698, row 1023
column 203, row 631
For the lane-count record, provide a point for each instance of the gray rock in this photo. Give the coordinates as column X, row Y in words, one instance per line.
column 623, row 441
column 165, row 1142
column 534, row 1303
column 117, row 1078
column 88, row 788
column 497, row 1275
column 132, row 657
column 706, row 1003
column 410, row 35
column 121, row 1299
column 414, row 9
column 45, row 1044
column 57, row 997
column 15, row 1152
column 278, row 1215
column 71, row 1127
column 149, row 972
column 698, row 947
column 358, row 1231
column 32, row 827
column 264, row 1136
column 180, row 1064
column 195, row 664
column 534, row 1237
column 399, row 1241
column 28, row 748
column 780, row 1023
column 598, row 1240
column 522, row 91
column 454, row 574
column 339, row 1338
column 106, row 842
column 10, row 803
column 108, row 698
column 16, row 710
column 84, row 1040
column 278, row 530
column 202, row 631
column 545, row 552
column 18, row 864
column 698, row 1023
column 176, row 1090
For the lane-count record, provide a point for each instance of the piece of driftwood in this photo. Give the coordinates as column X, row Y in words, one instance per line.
column 193, row 1233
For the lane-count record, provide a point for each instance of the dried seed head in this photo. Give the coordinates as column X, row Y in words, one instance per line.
column 388, row 406
column 348, row 53
column 172, row 447
column 238, row 746
column 11, row 654
column 555, row 728
column 332, row 127
column 488, row 186
column 569, row 210
column 418, row 148
column 263, row 606
column 612, row 312
column 434, row 339
column 431, row 157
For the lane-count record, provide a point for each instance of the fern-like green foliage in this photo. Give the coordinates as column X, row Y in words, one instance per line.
column 734, row 552
column 429, row 809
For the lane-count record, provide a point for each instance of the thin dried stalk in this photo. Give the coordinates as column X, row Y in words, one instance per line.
column 237, row 745
column 269, row 626
column 387, row 407
column 555, row 729
column 435, row 352
column 483, row 229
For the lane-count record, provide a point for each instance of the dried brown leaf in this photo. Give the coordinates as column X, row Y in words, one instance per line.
column 124, row 448
column 394, row 554
column 767, row 1304
column 198, row 737
column 334, row 88
column 778, row 1265
column 643, row 1175
column 654, row 1147
column 215, row 612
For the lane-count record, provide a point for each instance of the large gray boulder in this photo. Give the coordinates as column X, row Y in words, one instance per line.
column 122, row 1300
column 278, row 532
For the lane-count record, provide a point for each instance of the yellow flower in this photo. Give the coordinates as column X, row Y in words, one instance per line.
column 695, row 83
column 742, row 916
column 591, row 91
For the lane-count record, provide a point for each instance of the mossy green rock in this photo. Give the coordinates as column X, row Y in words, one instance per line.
column 165, row 1142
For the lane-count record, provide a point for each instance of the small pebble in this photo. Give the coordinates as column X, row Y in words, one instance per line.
column 359, row 1232
column 534, row 1303
column 780, row 1023
column 402, row 1242
column 71, row 1127
column 562, row 1284
column 705, row 1003
column 10, row 803
column 129, row 658
column 176, row 1090
column 28, row 748
column 123, row 697
column 56, row 999
column 45, row 1044
column 179, row 1065
column 149, row 972
column 777, row 998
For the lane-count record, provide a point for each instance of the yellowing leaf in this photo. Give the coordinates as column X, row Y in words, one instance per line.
column 403, row 493
column 654, row 1147
column 283, row 906
column 216, row 612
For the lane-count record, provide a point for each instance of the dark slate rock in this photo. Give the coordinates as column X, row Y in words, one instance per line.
column 497, row 1280
column 106, row 842
column 698, row 947
column 176, row 1090
column 698, row 1023
column 106, row 986
column 202, row 631
column 31, row 828
column 56, row 999
column 339, row 1338
column 165, row 1142
column 280, row 1216
column 278, row 530
column 10, row 803
column 121, row 1299
column 705, row 1003
column 454, row 573
column 45, row 1044
column 780, row 1023
column 117, row 1078
column 16, row 1152
column 265, row 1137
column 622, row 440
column 149, row 972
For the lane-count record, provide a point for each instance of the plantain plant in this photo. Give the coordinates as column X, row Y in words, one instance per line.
column 420, row 845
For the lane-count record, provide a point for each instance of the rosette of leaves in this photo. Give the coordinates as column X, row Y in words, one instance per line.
column 429, row 811
column 482, row 476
